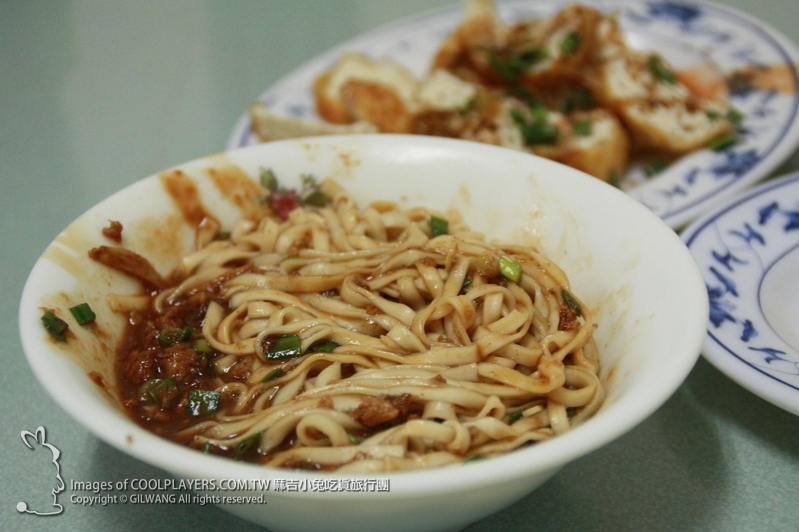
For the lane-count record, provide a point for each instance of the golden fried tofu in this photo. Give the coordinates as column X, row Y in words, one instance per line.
column 676, row 126
column 268, row 126
column 461, row 52
column 599, row 145
column 357, row 87
column 565, row 87
column 559, row 50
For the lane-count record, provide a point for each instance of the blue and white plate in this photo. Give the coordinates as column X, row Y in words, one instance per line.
column 748, row 252
column 689, row 34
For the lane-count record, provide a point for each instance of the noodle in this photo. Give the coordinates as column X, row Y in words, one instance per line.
column 431, row 354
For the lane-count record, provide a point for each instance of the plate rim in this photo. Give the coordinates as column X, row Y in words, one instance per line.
column 720, row 354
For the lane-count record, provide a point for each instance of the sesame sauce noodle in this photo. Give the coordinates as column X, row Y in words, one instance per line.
column 411, row 350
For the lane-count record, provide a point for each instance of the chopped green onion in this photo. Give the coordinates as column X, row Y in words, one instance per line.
column 569, row 300
column 571, row 42
column 268, row 179
column 83, row 314
column 656, row 166
column 150, row 391
column 510, row 269
column 353, row 440
column 576, row 100
column 439, row 226
column 174, row 335
column 323, row 346
column 203, row 402
column 283, row 347
column 538, row 130
column 466, row 108
column 201, row 345
column 310, row 193
column 534, row 55
column 516, row 416
column 613, row 178
column 243, row 448
column 274, row 374
column 540, row 112
column 317, row 199
column 55, row 326
column 524, row 94
column 540, row 133
column 510, row 68
column 660, row 70
column 723, row 142
column 467, row 282
column 474, row 458
column 582, row 128
column 735, row 116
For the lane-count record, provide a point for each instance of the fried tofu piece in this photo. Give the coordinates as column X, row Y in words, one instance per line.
column 268, row 126
column 677, row 126
column 594, row 142
column 378, row 104
column 461, row 52
column 565, row 45
column 536, row 52
column 603, row 151
column 566, row 87
column 359, row 88
column 443, row 91
column 631, row 77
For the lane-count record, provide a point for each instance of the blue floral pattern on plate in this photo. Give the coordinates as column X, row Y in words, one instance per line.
column 737, row 247
column 686, row 33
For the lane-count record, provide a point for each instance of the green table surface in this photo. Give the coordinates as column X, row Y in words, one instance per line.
column 96, row 95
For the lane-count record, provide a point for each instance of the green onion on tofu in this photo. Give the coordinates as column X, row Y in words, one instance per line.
column 511, row 68
column 55, row 326
column 83, row 314
column 582, row 128
column 655, row 167
column 723, row 142
column 571, row 42
column 203, row 402
column 661, row 71
column 510, row 269
column 735, row 116
column 538, row 130
column 580, row 99
column 614, row 179
column 439, row 226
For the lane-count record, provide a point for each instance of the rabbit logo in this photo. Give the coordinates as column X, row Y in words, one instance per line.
column 38, row 438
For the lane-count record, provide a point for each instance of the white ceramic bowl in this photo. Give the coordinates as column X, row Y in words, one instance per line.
column 646, row 292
